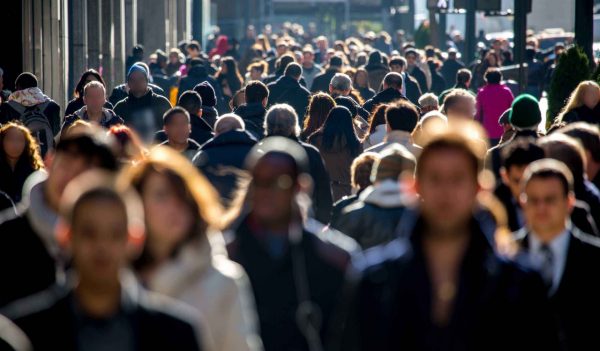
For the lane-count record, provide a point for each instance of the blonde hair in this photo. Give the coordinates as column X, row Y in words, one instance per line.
column 576, row 98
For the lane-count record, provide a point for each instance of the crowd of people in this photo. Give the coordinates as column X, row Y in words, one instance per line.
column 277, row 193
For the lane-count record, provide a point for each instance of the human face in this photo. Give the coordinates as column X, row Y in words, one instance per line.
column 512, row 179
column 590, row 97
column 138, row 83
column 281, row 49
column 169, row 219
column 448, row 187
column 192, row 53
column 411, row 59
column 274, row 190
column 14, row 143
column 396, row 68
column 179, row 128
column 255, row 74
column 64, row 168
column 546, row 207
column 173, row 58
column 94, row 99
column 308, row 58
column 99, row 241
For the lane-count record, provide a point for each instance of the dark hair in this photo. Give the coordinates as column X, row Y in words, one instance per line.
column 190, row 101
column 493, row 75
column 348, row 103
column 354, row 80
column 293, row 70
column 318, row 109
column 196, row 61
column 95, row 147
column 336, row 61
column 82, row 81
column 567, row 150
column 587, row 134
column 233, row 77
column 361, row 169
column 402, row 116
column 548, row 169
column 338, row 131
column 398, row 60
column 520, row 152
column 207, row 93
column 170, row 114
column 376, row 118
column 283, row 62
column 138, row 49
column 393, row 80
column 256, row 91
column 194, row 45
column 463, row 76
column 26, row 80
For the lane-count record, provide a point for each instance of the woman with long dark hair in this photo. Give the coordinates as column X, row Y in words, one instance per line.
column 77, row 102
column 184, row 253
column 318, row 109
column 377, row 127
column 339, row 145
column 19, row 157
column 230, row 79
column 361, row 84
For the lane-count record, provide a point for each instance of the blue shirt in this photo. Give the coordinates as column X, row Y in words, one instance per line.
column 559, row 247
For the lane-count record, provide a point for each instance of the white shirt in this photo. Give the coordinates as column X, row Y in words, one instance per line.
column 559, row 247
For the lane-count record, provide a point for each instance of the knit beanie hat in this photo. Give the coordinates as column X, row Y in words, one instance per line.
column 395, row 159
column 525, row 112
column 207, row 93
column 137, row 68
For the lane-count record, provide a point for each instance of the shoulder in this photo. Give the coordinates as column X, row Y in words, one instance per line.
column 334, row 247
column 378, row 260
column 592, row 242
column 36, row 306
column 166, row 311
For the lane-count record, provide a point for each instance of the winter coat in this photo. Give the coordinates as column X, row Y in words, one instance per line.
column 28, row 98
column 449, row 70
column 12, row 181
column 201, row 131
column 397, row 137
column 337, row 163
column 218, row 288
column 195, row 76
column 365, row 93
column 210, row 115
column 77, row 103
column 374, row 218
column 583, row 114
column 109, row 118
column 492, row 101
column 221, row 160
column 376, row 73
column 143, row 114
column 321, row 81
column 120, row 92
column 421, row 78
column 383, row 97
column 274, row 279
column 190, row 151
column 321, row 197
column 253, row 115
column 289, row 91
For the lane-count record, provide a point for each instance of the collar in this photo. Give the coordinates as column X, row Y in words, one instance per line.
column 386, row 194
column 399, row 136
column 558, row 245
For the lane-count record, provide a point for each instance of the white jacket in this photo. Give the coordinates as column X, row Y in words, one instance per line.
column 376, row 137
column 219, row 288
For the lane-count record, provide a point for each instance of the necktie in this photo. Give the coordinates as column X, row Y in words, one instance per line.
column 547, row 265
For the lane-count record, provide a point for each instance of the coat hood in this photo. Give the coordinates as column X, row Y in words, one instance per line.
column 29, row 97
column 386, row 194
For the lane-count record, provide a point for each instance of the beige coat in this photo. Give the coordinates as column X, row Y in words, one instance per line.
column 219, row 288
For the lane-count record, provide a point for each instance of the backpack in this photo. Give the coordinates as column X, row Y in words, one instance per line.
column 35, row 120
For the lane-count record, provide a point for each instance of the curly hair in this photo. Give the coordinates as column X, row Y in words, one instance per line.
column 31, row 153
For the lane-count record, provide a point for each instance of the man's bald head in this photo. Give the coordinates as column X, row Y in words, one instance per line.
column 229, row 122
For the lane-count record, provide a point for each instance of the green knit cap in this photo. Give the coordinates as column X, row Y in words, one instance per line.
column 525, row 112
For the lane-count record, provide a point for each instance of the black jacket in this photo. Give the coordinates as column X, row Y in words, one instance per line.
column 373, row 219
column 52, row 113
column 419, row 75
column 321, row 81
column 498, row 304
column 274, row 283
column 289, row 91
column 575, row 303
column 195, row 76
column 222, row 158
column 493, row 160
column 366, row 93
column 438, row 83
column 413, row 90
column 77, row 103
column 50, row 322
column 322, row 202
column 449, row 70
column 253, row 115
column 201, row 131
column 339, row 206
column 210, row 115
column 383, row 97
column 143, row 114
column 120, row 92
column 12, row 181
column 584, row 114
column 190, row 151
column 110, row 118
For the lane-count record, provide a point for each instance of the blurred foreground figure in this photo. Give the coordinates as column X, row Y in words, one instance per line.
column 567, row 258
column 102, row 307
column 443, row 287
column 296, row 271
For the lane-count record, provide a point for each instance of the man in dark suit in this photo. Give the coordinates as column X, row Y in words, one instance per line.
column 104, row 308
column 288, row 90
column 568, row 259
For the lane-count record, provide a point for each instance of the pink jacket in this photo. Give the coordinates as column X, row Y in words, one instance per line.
column 492, row 101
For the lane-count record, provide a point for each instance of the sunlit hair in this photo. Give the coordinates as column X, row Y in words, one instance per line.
column 376, row 118
column 454, row 97
column 576, row 98
column 31, row 152
column 317, row 112
column 361, row 168
column 131, row 149
column 188, row 184
column 76, row 127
